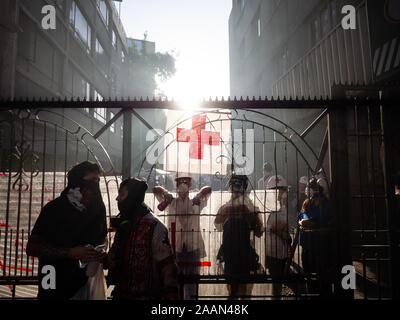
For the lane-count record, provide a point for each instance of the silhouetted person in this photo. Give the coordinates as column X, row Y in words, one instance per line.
column 140, row 262
column 314, row 237
column 237, row 218
column 64, row 227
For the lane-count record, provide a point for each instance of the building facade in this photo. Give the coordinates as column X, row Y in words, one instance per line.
column 299, row 48
column 86, row 56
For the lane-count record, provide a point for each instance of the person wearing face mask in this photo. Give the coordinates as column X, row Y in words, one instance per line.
column 278, row 239
column 237, row 218
column 314, row 237
column 184, row 221
column 66, row 232
column 140, row 262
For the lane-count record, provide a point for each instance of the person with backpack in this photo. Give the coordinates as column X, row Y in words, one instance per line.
column 237, row 218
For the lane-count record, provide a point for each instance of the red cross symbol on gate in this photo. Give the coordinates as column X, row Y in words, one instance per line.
column 197, row 136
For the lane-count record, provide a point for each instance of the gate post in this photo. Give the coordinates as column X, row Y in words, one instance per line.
column 389, row 118
column 127, row 144
column 339, row 200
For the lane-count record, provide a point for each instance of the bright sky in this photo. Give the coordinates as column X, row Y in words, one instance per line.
column 197, row 31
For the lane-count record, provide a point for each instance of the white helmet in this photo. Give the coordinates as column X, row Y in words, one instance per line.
column 276, row 182
column 303, row 180
column 180, row 175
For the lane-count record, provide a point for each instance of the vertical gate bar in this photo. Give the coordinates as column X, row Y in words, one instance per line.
column 21, row 172
column 296, row 237
column 127, row 144
column 55, row 161
column 364, row 277
column 254, row 176
column 44, row 163
column 359, row 168
column 12, row 140
column 31, row 189
column 9, row 253
column 287, row 190
column 265, row 197
column 378, row 280
column 389, row 120
column 65, row 158
column 76, row 151
column 276, row 198
column 22, row 250
column 338, row 165
column 373, row 170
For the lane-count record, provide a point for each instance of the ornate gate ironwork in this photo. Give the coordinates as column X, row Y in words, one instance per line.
column 35, row 156
column 361, row 155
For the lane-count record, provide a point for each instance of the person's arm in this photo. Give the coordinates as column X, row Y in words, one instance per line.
column 113, row 259
column 221, row 217
column 202, row 197
column 162, row 194
column 37, row 247
column 255, row 217
column 165, row 261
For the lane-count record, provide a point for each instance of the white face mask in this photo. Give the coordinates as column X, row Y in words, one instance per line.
column 183, row 188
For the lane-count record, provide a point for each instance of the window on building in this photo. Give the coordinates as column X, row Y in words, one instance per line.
column 101, row 57
column 100, row 114
column 97, row 96
column 138, row 46
column 81, row 28
column 80, row 87
column 113, row 78
column 103, row 9
column 114, row 40
column 259, row 27
column 112, row 127
column 99, row 48
column 87, row 96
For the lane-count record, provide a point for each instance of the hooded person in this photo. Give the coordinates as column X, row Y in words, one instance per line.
column 66, row 232
column 140, row 262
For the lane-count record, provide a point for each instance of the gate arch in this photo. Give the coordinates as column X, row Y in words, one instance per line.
column 37, row 148
column 288, row 135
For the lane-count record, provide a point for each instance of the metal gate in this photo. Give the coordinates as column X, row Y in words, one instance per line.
column 38, row 147
column 353, row 142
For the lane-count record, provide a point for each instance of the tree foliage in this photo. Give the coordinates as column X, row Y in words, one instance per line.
column 144, row 68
